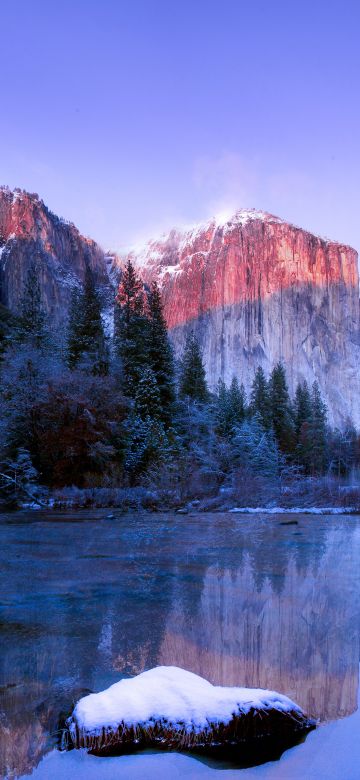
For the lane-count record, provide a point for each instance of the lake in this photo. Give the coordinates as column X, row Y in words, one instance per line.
column 260, row 601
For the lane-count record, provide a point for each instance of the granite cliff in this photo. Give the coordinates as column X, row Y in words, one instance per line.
column 257, row 290
column 254, row 288
column 30, row 232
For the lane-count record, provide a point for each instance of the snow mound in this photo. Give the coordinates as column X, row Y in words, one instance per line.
column 280, row 510
column 170, row 695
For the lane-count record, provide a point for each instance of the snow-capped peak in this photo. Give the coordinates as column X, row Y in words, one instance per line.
column 176, row 238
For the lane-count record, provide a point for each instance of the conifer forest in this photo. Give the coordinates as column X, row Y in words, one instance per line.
column 92, row 417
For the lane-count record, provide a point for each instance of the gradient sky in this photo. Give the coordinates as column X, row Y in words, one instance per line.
column 128, row 117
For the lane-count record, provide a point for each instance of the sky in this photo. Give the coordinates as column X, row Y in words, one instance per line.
column 131, row 116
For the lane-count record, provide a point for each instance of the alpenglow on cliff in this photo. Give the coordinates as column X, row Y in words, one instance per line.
column 253, row 288
column 257, row 290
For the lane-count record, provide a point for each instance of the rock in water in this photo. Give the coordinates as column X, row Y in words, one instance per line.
column 170, row 708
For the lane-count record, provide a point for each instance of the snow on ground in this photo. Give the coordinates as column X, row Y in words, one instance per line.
column 332, row 752
column 298, row 510
column 172, row 694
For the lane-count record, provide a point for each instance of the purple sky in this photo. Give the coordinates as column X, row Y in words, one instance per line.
column 130, row 116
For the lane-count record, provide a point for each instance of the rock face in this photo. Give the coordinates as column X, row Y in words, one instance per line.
column 30, row 232
column 254, row 289
column 257, row 290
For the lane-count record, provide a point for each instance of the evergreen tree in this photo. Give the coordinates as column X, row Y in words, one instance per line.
column 302, row 420
column 93, row 328
column 229, row 407
column 259, row 398
column 86, row 341
column 160, row 353
column 192, row 373
column 7, row 329
column 146, row 444
column 280, row 409
column 147, row 397
column 32, row 317
column 302, row 407
column 318, row 431
column 222, row 410
column 131, row 328
column 237, row 402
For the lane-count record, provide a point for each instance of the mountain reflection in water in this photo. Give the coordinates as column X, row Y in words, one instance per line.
column 240, row 600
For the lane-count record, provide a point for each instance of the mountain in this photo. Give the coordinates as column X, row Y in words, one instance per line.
column 30, row 232
column 256, row 290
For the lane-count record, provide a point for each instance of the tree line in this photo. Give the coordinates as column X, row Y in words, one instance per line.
column 86, row 408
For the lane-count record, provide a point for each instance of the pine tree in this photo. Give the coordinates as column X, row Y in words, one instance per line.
column 147, row 396
column 86, row 338
column 318, row 431
column 131, row 328
column 237, row 402
column 302, row 407
column 259, row 398
column 32, row 317
column 146, row 444
column 222, row 410
column 160, row 353
column 7, row 329
column 230, row 406
column 93, row 329
column 302, row 419
column 280, row 409
column 192, row 373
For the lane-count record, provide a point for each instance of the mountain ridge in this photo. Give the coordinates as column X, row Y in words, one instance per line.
column 257, row 290
column 254, row 289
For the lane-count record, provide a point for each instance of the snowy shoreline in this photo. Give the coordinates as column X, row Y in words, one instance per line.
column 73, row 506
column 280, row 510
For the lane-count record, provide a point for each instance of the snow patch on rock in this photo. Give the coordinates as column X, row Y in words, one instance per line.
column 173, row 695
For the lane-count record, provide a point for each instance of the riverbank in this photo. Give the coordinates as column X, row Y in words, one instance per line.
column 331, row 752
column 325, row 495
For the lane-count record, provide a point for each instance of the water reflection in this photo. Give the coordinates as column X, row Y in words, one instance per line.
column 238, row 600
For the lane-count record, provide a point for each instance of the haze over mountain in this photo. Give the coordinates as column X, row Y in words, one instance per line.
column 254, row 288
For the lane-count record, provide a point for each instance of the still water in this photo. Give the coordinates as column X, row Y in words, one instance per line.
column 240, row 600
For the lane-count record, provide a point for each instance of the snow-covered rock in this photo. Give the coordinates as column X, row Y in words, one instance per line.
column 174, row 708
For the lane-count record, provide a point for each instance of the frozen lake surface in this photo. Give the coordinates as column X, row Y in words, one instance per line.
column 239, row 599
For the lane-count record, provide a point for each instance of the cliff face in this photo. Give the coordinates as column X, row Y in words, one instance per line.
column 30, row 232
column 257, row 290
column 254, row 289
